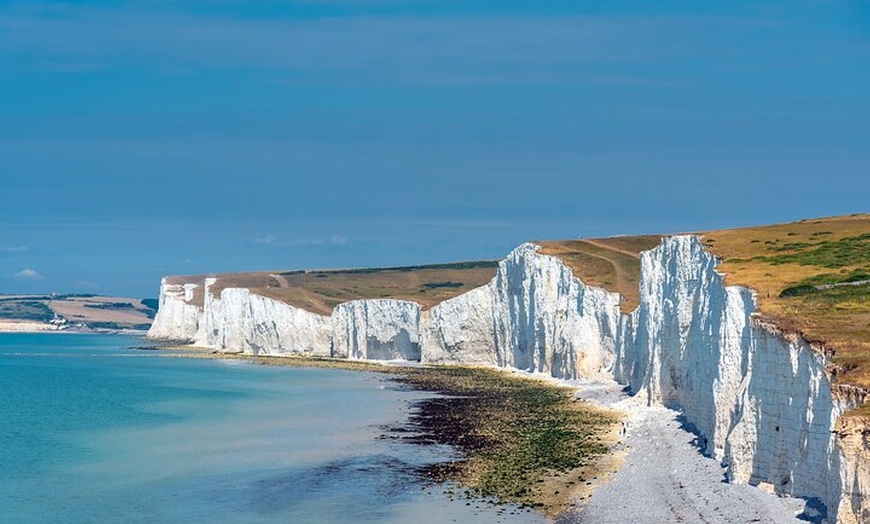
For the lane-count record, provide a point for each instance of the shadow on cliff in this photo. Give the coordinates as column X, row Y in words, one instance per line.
column 814, row 511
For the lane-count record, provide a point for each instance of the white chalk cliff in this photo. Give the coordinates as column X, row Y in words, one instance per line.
column 178, row 317
column 379, row 329
column 241, row 321
column 761, row 402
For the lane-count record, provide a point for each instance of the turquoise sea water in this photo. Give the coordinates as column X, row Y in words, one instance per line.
column 91, row 431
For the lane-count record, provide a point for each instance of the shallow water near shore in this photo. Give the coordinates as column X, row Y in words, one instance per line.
column 94, row 432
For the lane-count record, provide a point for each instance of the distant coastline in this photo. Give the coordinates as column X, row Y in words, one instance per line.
column 75, row 313
column 16, row 326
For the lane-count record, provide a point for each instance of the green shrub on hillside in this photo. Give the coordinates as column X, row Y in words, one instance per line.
column 832, row 254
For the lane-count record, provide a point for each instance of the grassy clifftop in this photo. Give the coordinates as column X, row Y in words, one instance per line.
column 319, row 291
column 611, row 263
column 811, row 277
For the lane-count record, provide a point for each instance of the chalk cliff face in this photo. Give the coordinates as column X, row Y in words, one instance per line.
column 854, row 440
column 380, row 329
column 548, row 321
column 462, row 330
column 177, row 318
column 242, row 321
column 761, row 402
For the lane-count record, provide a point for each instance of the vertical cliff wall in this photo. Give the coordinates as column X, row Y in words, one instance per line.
column 854, row 442
column 239, row 320
column 380, row 329
column 761, row 402
column 461, row 330
column 177, row 317
column 548, row 321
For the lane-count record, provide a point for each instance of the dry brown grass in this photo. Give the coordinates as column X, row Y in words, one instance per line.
column 95, row 311
column 768, row 259
column 611, row 263
column 198, row 294
column 320, row 291
column 840, row 321
column 101, row 309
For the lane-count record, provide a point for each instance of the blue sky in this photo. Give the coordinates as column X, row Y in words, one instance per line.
column 144, row 138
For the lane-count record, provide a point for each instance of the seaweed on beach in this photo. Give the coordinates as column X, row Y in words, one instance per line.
column 519, row 439
column 513, row 432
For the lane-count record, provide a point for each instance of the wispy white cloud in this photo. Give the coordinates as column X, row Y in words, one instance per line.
column 449, row 223
column 11, row 250
column 268, row 239
column 274, row 240
column 29, row 274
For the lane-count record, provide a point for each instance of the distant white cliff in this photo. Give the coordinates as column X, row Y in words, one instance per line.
column 177, row 317
column 241, row 321
column 762, row 402
column 378, row 329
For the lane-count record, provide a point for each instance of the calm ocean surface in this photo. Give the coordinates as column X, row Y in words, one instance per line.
column 93, row 432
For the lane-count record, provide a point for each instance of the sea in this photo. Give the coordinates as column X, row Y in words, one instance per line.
column 94, row 431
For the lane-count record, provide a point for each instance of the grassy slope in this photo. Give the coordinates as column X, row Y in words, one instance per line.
column 611, row 263
column 320, row 291
column 95, row 311
column 785, row 262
